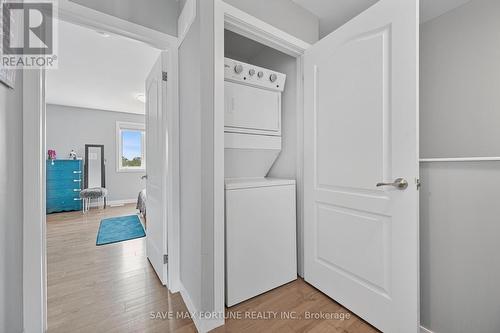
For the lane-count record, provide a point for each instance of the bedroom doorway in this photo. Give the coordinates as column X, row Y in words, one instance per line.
column 73, row 233
column 104, row 130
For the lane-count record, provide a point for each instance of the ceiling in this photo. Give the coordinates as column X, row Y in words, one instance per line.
column 334, row 13
column 431, row 8
column 99, row 72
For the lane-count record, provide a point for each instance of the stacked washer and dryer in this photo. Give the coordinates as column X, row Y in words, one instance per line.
column 260, row 211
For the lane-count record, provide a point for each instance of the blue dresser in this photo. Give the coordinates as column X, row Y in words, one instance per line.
column 64, row 182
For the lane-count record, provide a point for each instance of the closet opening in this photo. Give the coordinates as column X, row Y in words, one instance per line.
column 261, row 167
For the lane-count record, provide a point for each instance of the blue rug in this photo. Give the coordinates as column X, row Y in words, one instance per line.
column 119, row 229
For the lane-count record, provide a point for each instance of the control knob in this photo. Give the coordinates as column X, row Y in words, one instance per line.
column 260, row 74
column 251, row 72
column 238, row 69
column 273, row 77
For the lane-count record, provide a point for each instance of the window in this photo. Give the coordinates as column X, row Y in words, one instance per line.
column 130, row 147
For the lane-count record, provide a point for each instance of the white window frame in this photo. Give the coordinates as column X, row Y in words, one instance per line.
column 127, row 126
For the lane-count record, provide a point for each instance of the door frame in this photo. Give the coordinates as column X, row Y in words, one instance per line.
column 236, row 20
column 34, row 146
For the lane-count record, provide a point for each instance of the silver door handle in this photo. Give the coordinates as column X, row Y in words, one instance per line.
column 399, row 183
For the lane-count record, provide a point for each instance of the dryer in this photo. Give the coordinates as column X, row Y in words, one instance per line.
column 260, row 211
column 252, row 119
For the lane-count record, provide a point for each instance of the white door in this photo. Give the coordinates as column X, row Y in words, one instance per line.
column 361, row 128
column 156, row 149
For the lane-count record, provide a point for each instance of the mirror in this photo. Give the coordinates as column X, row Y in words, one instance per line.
column 94, row 166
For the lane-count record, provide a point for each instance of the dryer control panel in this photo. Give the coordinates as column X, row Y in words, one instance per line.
column 244, row 73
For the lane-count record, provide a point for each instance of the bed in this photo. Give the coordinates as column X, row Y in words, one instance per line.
column 141, row 203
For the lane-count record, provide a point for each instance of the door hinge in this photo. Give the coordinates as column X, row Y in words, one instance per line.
column 417, row 183
column 164, row 76
column 165, row 258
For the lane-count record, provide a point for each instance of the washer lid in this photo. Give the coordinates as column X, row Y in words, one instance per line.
column 241, row 183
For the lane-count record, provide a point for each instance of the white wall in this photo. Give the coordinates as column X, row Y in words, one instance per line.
column 196, row 163
column 459, row 232
column 459, row 214
column 283, row 14
column 11, row 214
column 71, row 128
column 460, row 82
column 159, row 15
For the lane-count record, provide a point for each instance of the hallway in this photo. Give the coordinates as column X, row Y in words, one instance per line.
column 109, row 288
column 113, row 288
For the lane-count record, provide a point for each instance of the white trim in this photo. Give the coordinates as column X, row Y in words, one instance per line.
column 459, row 159
column 75, row 108
column 34, row 255
column 251, row 27
column 162, row 119
column 231, row 18
column 203, row 325
column 425, row 330
column 34, row 249
column 131, row 170
column 299, row 184
column 173, row 177
column 131, row 125
column 125, row 125
column 191, row 308
column 186, row 19
column 77, row 14
column 112, row 203
column 218, row 177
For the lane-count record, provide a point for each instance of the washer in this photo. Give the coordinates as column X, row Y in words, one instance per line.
column 260, row 236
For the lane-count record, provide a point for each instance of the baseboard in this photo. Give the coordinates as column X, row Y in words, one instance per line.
column 203, row 325
column 425, row 330
column 112, row 203
column 191, row 308
column 211, row 324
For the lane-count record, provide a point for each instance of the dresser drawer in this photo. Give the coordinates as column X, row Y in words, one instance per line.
column 65, row 205
column 64, row 173
column 68, row 185
column 64, row 180
column 63, row 193
column 64, row 165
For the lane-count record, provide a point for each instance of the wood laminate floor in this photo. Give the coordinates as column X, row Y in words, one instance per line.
column 113, row 288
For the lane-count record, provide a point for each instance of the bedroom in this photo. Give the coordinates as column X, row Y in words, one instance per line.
column 96, row 170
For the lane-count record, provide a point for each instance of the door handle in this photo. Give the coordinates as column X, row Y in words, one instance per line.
column 144, row 177
column 399, row 183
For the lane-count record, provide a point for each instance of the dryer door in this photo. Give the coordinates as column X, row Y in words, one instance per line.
column 251, row 110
